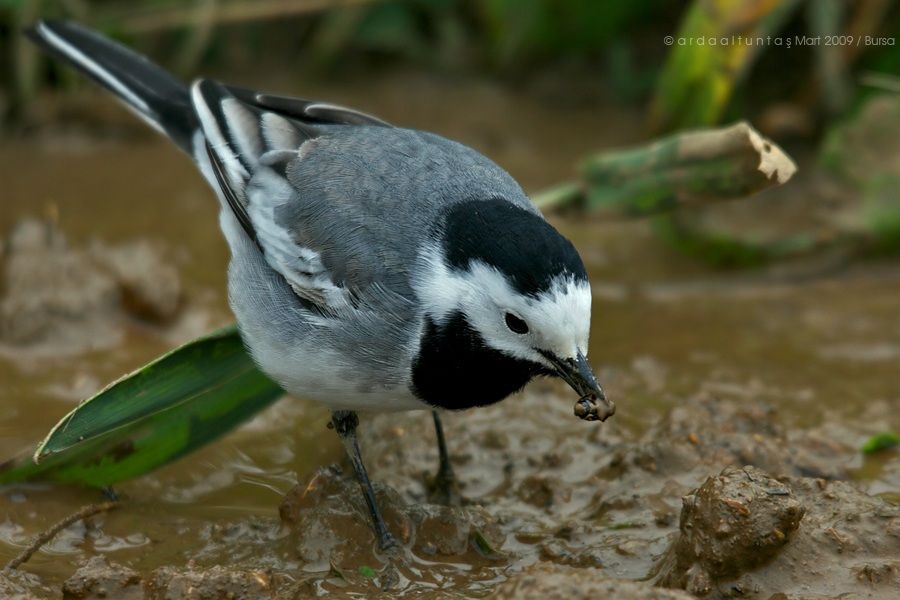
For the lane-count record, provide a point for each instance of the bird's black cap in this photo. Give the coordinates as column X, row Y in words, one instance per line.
column 518, row 243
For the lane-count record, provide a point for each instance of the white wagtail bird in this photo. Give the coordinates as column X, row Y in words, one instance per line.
column 373, row 268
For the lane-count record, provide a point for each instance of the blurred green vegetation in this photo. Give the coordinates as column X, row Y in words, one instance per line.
column 498, row 36
column 799, row 70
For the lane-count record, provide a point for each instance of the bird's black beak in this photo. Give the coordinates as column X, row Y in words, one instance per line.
column 577, row 372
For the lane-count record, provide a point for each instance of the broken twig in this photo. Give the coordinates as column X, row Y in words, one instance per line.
column 44, row 537
column 692, row 168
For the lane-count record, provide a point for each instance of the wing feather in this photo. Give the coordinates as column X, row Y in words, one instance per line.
column 250, row 150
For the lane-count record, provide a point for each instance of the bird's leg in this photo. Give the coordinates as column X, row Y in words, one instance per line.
column 445, row 474
column 443, row 488
column 345, row 423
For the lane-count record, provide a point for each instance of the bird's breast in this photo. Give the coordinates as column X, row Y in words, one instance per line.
column 455, row 369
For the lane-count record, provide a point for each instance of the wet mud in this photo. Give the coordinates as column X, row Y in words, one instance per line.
column 731, row 469
column 678, row 508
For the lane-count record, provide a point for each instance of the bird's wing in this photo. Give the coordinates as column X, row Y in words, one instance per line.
column 250, row 149
column 311, row 111
column 253, row 141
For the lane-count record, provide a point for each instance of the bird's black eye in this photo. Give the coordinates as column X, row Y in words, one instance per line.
column 515, row 324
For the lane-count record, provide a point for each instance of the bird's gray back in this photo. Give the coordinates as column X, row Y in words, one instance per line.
column 367, row 198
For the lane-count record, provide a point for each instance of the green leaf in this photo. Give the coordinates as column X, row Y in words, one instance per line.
column 172, row 406
column 484, row 547
column 881, row 441
column 368, row 572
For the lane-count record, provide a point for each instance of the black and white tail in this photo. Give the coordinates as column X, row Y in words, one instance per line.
column 151, row 93
column 231, row 133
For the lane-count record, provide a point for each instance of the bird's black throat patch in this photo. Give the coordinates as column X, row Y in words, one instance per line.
column 518, row 243
column 455, row 369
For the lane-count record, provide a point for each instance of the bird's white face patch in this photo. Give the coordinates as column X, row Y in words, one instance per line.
column 558, row 319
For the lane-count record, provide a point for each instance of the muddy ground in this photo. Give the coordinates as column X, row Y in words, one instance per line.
column 732, row 468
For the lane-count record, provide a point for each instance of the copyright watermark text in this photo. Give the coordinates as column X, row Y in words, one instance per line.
column 782, row 41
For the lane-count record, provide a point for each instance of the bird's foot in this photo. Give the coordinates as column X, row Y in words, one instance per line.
column 396, row 557
column 443, row 489
column 390, row 576
column 389, row 545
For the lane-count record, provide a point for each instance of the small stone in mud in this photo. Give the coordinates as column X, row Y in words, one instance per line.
column 21, row 585
column 560, row 553
column 542, row 491
column 170, row 583
column 731, row 524
column 100, row 579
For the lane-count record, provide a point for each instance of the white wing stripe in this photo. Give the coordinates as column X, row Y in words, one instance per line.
column 134, row 102
column 279, row 133
column 235, row 170
column 243, row 129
